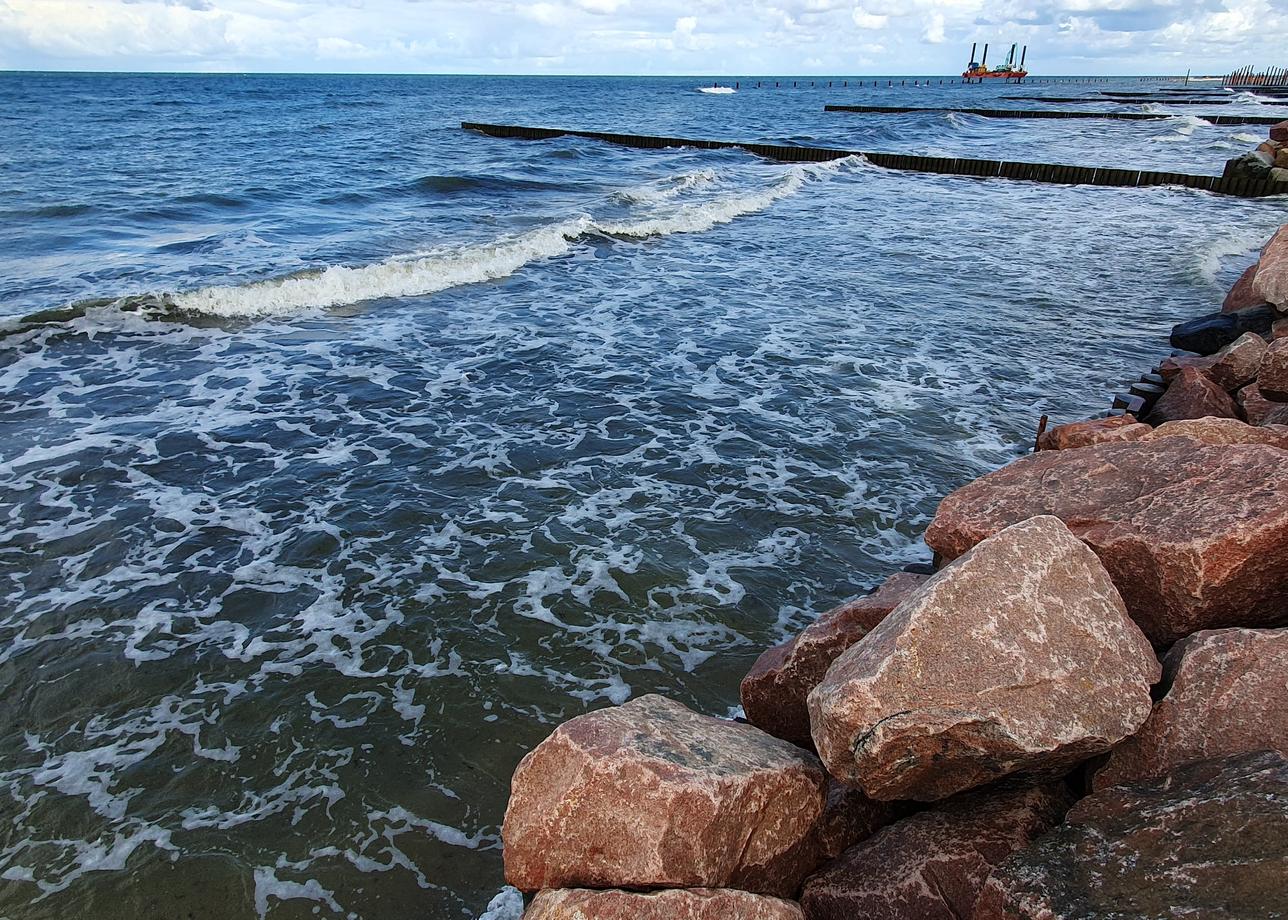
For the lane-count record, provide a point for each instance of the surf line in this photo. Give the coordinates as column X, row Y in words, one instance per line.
column 954, row 166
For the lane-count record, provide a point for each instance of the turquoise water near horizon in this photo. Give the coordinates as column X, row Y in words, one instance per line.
column 355, row 451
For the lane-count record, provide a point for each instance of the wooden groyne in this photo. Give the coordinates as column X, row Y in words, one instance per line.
column 1039, row 113
column 1121, row 100
column 953, row 166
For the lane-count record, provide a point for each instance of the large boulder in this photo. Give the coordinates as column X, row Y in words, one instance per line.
column 1238, row 363
column 1192, row 394
column 933, row 865
column 1209, row 334
column 1194, row 536
column 1018, row 657
column 1241, row 296
column 1093, row 431
column 672, row 904
column 653, row 795
column 1271, row 281
column 1218, row 431
column 1205, row 841
column 1227, row 693
column 1279, row 132
column 1273, row 380
column 1253, row 166
column 774, row 690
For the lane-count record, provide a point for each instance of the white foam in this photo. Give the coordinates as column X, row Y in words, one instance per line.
column 717, row 90
column 507, row 905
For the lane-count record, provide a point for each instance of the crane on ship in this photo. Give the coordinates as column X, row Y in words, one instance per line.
column 978, row 71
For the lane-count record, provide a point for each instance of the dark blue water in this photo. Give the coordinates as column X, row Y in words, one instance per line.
column 351, row 451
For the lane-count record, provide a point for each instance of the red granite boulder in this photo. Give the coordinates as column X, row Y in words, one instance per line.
column 672, row 904
column 1270, row 285
column 1174, row 364
column 1018, row 657
column 1279, row 329
column 774, row 690
column 1194, row 536
column 653, row 795
column 1218, row 431
column 1093, row 431
column 1273, row 379
column 1238, row 363
column 1241, row 295
column 1208, row 840
column 1279, row 132
column 1253, row 406
column 933, row 865
column 1227, row 693
column 1192, row 394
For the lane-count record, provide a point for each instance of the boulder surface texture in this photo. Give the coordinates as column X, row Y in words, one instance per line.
column 653, row 795
column 672, row 904
column 1018, row 657
column 1227, row 693
column 773, row 692
column 1270, row 284
column 1208, row 840
column 1238, row 363
column 1216, row 431
column 1194, row 536
column 933, row 865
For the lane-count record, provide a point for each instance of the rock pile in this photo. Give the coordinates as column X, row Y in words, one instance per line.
column 1268, row 161
column 998, row 740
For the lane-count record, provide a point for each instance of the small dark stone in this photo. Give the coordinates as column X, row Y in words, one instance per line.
column 1209, row 334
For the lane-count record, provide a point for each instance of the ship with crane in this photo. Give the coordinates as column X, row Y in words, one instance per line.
column 978, row 71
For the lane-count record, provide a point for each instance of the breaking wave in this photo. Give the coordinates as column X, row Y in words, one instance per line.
column 432, row 271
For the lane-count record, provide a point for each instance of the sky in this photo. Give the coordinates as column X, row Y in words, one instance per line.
column 704, row 37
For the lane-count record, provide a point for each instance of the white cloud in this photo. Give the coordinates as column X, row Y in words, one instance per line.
column 632, row 36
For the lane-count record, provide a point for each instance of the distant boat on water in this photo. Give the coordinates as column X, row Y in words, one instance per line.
column 978, row 70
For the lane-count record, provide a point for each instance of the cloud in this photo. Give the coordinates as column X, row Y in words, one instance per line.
column 633, row 36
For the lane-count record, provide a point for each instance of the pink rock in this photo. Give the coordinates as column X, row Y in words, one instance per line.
column 1276, row 417
column 1279, row 132
column 1279, row 329
column 1093, row 431
column 933, row 865
column 1207, row 841
column 1217, row 431
column 1241, row 295
column 1018, row 657
column 1253, row 406
column 1173, row 365
column 1271, row 281
column 773, row 692
column 654, row 795
column 1227, row 693
column 1194, row 536
column 673, row 904
column 1192, row 394
column 1238, row 363
column 1273, row 379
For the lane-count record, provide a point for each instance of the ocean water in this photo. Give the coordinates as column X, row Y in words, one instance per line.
column 343, row 453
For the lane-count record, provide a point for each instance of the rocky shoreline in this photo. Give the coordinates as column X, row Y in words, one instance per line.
column 1082, row 712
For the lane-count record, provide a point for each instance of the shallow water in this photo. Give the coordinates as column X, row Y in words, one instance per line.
column 373, row 448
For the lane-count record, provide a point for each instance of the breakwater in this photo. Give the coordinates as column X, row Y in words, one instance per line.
column 1045, row 114
column 1232, row 184
column 1031, row 728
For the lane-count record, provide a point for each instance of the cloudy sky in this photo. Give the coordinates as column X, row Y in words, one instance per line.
column 716, row 37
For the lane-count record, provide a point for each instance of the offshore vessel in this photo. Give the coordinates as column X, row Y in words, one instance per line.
column 979, row 72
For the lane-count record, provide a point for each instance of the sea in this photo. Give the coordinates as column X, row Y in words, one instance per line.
column 344, row 452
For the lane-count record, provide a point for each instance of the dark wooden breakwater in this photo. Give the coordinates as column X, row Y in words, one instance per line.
column 1036, row 113
column 952, row 166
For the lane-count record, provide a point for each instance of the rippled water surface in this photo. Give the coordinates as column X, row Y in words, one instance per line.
column 354, row 451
